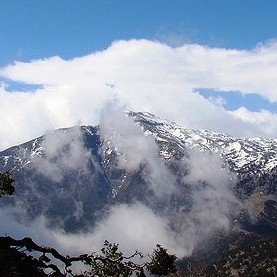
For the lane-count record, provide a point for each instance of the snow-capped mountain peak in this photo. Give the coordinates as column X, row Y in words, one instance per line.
column 242, row 154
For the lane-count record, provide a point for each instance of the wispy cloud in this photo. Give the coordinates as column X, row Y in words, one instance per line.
column 134, row 149
column 145, row 75
column 63, row 151
column 138, row 226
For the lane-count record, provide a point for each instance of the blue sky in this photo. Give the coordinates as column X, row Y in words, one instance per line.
column 234, row 100
column 34, row 29
column 221, row 63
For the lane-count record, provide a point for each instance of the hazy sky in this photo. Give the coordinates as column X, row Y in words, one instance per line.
column 207, row 59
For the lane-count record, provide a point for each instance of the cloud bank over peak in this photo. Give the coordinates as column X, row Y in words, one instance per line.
column 144, row 75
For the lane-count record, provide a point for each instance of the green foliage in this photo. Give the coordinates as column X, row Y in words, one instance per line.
column 257, row 258
column 162, row 263
column 6, row 184
column 110, row 261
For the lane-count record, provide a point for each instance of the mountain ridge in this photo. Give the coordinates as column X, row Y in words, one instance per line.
column 88, row 189
column 242, row 154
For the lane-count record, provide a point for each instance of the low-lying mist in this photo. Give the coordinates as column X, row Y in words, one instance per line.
column 135, row 225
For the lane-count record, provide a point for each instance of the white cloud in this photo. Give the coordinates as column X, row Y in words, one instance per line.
column 138, row 227
column 133, row 227
column 135, row 149
column 124, row 224
column 145, row 75
column 262, row 119
column 212, row 183
column 65, row 148
column 206, row 207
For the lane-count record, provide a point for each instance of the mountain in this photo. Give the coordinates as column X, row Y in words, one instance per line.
column 250, row 155
column 253, row 160
column 68, row 196
column 72, row 176
column 256, row 258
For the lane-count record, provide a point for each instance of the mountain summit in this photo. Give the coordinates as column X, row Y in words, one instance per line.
column 197, row 182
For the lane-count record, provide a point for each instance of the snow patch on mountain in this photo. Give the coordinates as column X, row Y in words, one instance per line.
column 249, row 155
column 255, row 155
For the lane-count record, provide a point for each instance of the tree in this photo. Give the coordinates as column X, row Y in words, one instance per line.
column 6, row 184
column 161, row 262
column 110, row 262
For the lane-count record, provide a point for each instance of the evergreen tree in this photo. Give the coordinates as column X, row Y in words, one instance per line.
column 6, row 184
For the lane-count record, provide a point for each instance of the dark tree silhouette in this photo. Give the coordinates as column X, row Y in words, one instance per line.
column 6, row 184
column 161, row 262
column 110, row 262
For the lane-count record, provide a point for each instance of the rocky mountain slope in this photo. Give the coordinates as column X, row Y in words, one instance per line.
column 253, row 160
column 249, row 155
column 71, row 176
column 256, row 258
